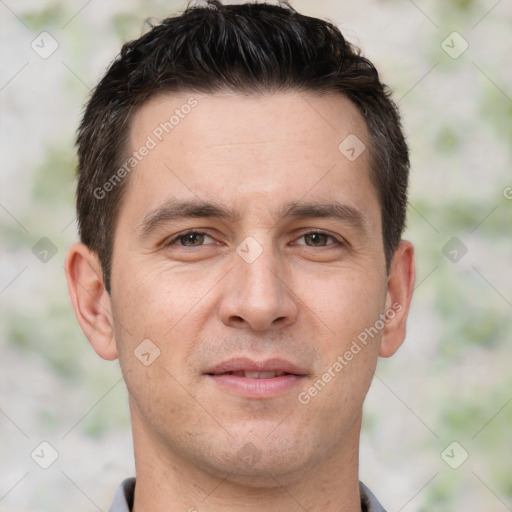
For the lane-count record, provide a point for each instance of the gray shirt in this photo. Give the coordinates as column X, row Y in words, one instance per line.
column 123, row 499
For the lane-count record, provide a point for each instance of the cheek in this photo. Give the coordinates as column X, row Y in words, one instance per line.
column 347, row 303
column 160, row 294
column 349, row 308
column 162, row 302
column 168, row 307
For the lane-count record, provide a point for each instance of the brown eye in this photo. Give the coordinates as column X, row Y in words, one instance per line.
column 190, row 239
column 317, row 239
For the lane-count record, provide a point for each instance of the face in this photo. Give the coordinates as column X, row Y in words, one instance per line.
column 248, row 260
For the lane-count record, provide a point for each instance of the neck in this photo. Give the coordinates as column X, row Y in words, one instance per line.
column 166, row 480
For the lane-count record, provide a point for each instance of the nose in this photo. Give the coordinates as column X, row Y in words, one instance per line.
column 257, row 295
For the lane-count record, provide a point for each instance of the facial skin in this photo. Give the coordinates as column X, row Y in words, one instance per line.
column 304, row 299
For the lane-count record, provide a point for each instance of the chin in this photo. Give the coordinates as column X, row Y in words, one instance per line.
column 264, row 474
column 264, row 463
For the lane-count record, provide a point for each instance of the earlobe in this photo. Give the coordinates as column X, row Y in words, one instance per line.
column 400, row 288
column 90, row 299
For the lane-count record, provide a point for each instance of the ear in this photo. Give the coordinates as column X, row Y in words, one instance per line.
column 400, row 288
column 90, row 299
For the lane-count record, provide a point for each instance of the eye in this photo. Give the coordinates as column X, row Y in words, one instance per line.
column 190, row 239
column 194, row 238
column 317, row 239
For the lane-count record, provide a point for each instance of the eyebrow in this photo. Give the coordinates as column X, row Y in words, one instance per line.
column 175, row 210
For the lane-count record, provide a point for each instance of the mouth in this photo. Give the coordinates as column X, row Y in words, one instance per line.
column 252, row 379
column 254, row 375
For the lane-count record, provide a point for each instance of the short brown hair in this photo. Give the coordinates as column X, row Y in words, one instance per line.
column 248, row 48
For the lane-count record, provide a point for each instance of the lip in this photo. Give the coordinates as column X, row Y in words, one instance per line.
column 249, row 365
column 256, row 387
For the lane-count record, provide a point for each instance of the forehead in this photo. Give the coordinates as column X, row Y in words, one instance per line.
column 234, row 118
column 249, row 151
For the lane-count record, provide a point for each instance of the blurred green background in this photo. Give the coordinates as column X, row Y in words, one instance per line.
column 450, row 382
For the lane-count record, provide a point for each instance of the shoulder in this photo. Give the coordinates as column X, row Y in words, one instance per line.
column 123, row 498
column 369, row 502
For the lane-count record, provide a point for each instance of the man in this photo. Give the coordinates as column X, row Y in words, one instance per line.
column 241, row 197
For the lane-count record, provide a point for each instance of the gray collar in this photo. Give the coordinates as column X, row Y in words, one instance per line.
column 123, row 499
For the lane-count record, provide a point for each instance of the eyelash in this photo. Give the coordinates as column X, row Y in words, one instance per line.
column 174, row 239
